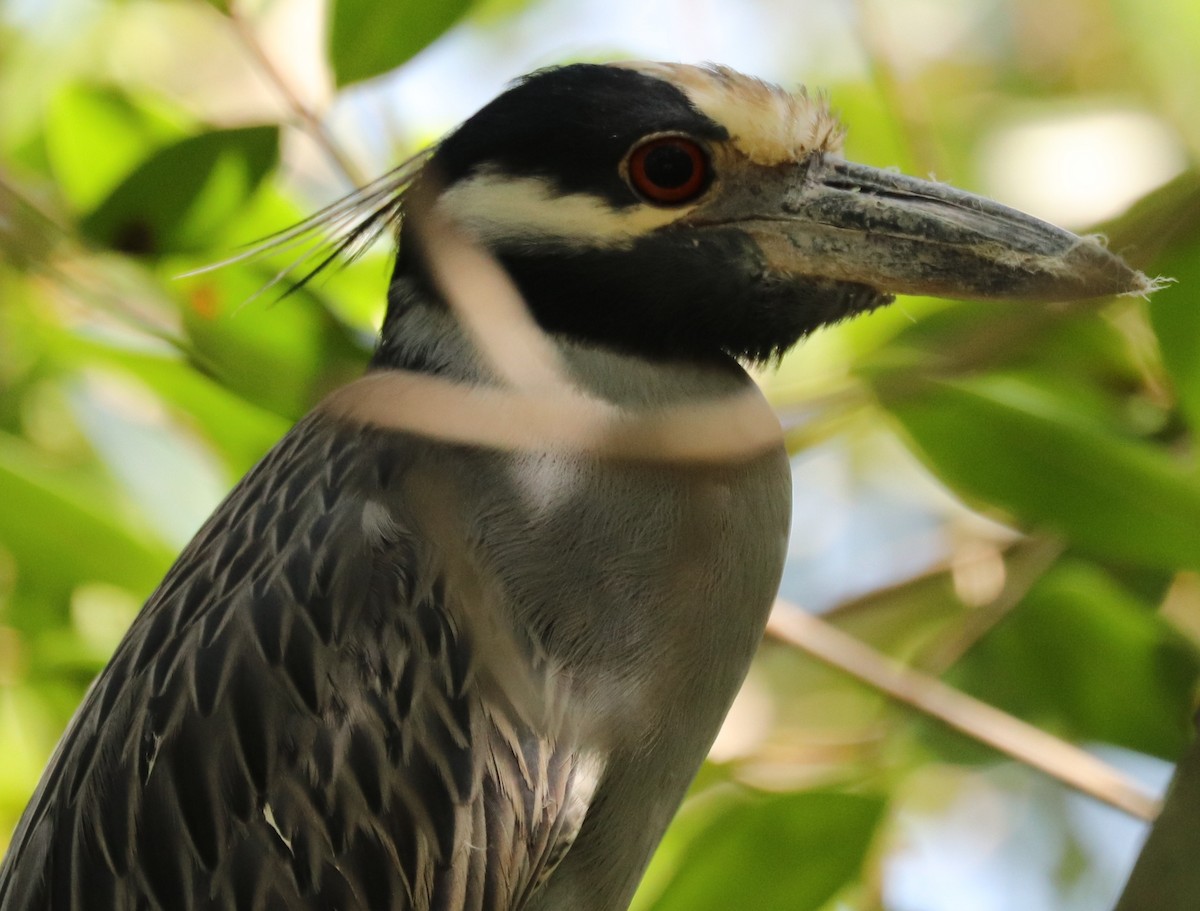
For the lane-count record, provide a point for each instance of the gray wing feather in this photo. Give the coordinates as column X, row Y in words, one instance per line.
column 295, row 721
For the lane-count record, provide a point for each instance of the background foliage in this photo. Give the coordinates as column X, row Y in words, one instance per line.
column 1002, row 496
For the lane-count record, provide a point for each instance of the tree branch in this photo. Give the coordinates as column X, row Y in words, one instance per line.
column 983, row 722
column 307, row 117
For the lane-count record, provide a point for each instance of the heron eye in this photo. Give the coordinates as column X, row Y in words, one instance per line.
column 669, row 170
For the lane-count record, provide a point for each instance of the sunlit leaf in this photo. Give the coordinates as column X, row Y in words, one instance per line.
column 61, row 533
column 1008, row 442
column 779, row 852
column 280, row 356
column 1163, row 37
column 1086, row 658
column 96, row 135
column 241, row 431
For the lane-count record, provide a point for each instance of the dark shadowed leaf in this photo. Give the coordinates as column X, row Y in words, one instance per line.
column 183, row 195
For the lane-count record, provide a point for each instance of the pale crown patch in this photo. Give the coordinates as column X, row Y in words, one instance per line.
column 767, row 124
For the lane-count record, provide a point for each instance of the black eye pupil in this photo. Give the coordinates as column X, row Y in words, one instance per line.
column 669, row 166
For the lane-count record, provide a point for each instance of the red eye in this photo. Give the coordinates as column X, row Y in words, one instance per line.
column 669, row 170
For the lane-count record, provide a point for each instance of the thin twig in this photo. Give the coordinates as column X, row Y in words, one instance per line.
column 983, row 722
column 311, row 123
column 64, row 264
column 10, row 188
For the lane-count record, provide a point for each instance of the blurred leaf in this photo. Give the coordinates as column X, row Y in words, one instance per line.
column 1010, row 442
column 165, row 471
column 281, row 356
column 1163, row 36
column 1175, row 315
column 62, row 533
column 1066, row 344
column 908, row 620
column 184, row 194
column 96, row 135
column 239, row 429
column 902, row 620
column 367, row 40
column 28, row 730
column 354, row 292
column 778, row 852
column 875, row 132
column 1083, row 656
column 488, row 12
column 1166, row 219
column 1161, row 234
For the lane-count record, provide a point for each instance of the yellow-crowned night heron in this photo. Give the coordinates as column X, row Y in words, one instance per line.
column 395, row 671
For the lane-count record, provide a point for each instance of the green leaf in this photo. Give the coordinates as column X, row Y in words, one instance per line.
column 1009, row 442
column 96, row 135
column 367, row 40
column 785, row 852
column 238, row 429
column 183, row 195
column 63, row 532
column 1078, row 654
column 1162, row 36
column 1175, row 315
column 282, row 356
column 970, row 337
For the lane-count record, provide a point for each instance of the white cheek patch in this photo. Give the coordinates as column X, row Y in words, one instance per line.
column 496, row 207
column 767, row 124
